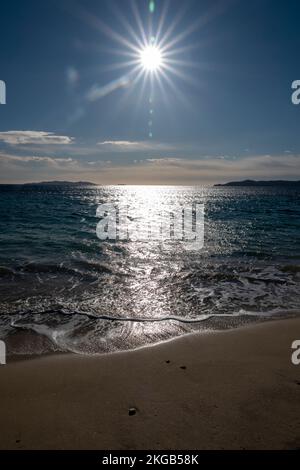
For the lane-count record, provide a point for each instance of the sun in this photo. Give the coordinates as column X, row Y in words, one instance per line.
column 151, row 58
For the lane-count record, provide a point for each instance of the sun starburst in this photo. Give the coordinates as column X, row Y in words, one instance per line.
column 151, row 58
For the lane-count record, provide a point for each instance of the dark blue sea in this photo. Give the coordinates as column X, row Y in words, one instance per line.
column 63, row 289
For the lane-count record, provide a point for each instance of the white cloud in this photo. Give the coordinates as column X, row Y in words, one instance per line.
column 216, row 169
column 119, row 143
column 34, row 137
column 30, row 167
column 204, row 170
column 48, row 161
column 138, row 146
column 96, row 92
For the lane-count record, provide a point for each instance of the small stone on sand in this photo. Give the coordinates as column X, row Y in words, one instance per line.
column 132, row 411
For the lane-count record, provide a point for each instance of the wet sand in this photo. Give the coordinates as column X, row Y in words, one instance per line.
column 235, row 389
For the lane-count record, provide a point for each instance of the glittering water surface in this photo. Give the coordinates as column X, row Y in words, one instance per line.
column 59, row 281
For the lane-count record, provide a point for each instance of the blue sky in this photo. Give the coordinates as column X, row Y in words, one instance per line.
column 221, row 111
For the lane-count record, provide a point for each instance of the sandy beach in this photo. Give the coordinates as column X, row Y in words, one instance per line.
column 224, row 390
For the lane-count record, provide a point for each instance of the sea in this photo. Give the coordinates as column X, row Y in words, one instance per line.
column 62, row 289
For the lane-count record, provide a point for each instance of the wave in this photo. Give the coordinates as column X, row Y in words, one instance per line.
column 5, row 271
column 174, row 318
column 84, row 333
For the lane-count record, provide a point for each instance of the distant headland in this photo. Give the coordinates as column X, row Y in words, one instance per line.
column 260, row 183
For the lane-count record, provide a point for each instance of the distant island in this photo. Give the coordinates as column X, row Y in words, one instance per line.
column 61, row 183
column 260, row 183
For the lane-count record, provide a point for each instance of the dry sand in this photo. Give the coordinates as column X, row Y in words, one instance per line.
column 235, row 390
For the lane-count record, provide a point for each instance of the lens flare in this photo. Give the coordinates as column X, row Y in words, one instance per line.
column 151, row 58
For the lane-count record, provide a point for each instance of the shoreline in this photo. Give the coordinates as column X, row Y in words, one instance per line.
column 289, row 315
column 230, row 389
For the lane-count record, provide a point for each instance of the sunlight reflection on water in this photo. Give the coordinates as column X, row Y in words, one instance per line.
column 59, row 280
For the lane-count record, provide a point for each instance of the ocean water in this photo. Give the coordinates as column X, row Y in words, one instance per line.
column 61, row 288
